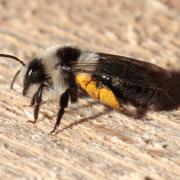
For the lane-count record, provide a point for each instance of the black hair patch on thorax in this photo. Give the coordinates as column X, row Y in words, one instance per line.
column 68, row 55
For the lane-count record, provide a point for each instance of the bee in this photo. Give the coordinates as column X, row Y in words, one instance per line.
column 111, row 79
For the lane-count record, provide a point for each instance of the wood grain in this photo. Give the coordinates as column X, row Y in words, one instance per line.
column 93, row 141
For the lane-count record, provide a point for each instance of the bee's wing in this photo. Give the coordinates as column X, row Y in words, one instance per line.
column 127, row 70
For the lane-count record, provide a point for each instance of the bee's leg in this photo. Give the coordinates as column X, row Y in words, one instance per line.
column 73, row 95
column 73, row 92
column 14, row 78
column 99, row 84
column 63, row 104
column 141, row 111
column 33, row 99
column 36, row 101
column 101, row 81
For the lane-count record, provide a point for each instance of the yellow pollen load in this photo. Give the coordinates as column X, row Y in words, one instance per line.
column 103, row 94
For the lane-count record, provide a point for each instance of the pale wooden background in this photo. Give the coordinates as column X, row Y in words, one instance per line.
column 95, row 143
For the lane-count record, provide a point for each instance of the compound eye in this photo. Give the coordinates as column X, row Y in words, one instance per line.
column 33, row 75
column 30, row 72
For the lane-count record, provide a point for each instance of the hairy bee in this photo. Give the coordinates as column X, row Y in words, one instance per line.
column 111, row 79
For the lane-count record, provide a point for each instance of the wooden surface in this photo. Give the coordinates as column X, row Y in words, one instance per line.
column 94, row 142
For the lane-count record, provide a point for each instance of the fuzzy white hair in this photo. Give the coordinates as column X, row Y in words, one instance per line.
column 88, row 57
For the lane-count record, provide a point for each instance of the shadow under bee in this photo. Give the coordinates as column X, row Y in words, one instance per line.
column 83, row 120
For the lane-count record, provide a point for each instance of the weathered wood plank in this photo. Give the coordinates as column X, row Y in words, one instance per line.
column 94, row 143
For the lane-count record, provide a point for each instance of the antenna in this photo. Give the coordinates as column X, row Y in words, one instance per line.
column 12, row 57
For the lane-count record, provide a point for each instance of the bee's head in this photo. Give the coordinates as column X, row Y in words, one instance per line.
column 34, row 74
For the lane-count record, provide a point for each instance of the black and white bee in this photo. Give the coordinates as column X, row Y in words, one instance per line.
column 111, row 79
